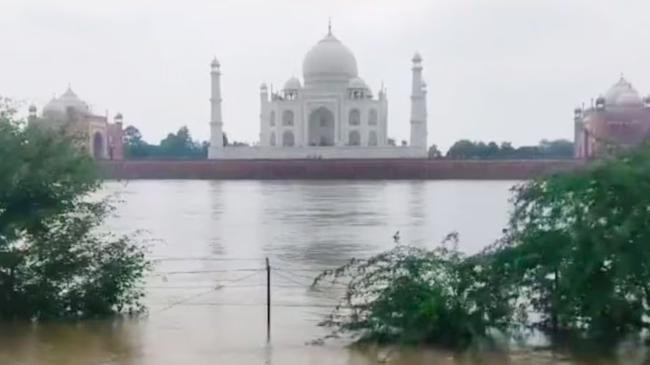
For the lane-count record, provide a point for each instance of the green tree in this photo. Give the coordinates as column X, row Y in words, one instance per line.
column 413, row 295
column 134, row 146
column 578, row 249
column 180, row 145
column 463, row 149
column 434, row 152
column 54, row 261
column 560, row 148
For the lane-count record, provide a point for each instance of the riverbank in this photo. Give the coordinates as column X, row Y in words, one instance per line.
column 375, row 169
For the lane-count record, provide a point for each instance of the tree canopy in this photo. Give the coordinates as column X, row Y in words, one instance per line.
column 465, row 149
column 54, row 261
column 580, row 244
column 179, row 145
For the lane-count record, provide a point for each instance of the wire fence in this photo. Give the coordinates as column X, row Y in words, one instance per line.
column 241, row 277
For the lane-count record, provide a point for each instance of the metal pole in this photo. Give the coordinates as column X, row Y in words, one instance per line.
column 268, row 300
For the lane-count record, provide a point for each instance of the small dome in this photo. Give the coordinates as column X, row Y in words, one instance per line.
column 263, row 86
column 215, row 63
column 292, row 84
column 622, row 94
column 32, row 108
column 357, row 83
column 68, row 100
column 417, row 57
column 329, row 60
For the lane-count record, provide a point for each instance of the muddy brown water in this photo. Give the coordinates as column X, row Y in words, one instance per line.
column 206, row 296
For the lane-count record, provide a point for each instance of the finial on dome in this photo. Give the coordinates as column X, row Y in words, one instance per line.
column 329, row 26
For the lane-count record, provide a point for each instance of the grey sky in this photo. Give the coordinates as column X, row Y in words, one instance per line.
column 496, row 69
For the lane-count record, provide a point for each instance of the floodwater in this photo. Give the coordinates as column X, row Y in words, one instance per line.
column 207, row 294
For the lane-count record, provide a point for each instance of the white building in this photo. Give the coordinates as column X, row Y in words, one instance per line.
column 334, row 114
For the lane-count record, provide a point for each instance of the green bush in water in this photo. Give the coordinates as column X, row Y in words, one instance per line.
column 54, row 261
column 411, row 295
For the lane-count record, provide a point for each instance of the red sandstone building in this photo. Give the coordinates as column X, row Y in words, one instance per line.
column 619, row 119
column 102, row 139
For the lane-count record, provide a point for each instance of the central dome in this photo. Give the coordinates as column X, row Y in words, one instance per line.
column 329, row 60
column 623, row 94
column 62, row 104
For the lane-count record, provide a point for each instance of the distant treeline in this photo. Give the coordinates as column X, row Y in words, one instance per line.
column 468, row 150
column 180, row 145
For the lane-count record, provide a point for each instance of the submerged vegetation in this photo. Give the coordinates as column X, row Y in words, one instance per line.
column 573, row 263
column 54, row 261
column 412, row 295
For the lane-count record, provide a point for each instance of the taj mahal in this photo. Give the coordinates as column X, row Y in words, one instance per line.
column 332, row 113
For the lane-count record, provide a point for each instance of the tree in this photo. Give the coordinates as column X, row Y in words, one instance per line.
column 560, row 148
column 134, row 146
column 463, row 149
column 466, row 149
column 578, row 249
column 54, row 262
column 412, row 295
column 180, row 145
column 434, row 152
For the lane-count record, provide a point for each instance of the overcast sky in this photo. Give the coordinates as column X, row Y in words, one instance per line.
column 504, row 70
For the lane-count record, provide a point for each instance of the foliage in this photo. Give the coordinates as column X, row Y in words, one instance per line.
column 466, row 149
column 578, row 249
column 226, row 142
column 179, row 145
column 134, row 146
column 434, row 152
column 412, row 295
column 54, row 262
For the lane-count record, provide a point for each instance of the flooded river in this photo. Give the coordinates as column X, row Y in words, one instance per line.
column 207, row 294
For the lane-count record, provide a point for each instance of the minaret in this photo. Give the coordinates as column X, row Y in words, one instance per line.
column 32, row 114
column 418, row 106
column 216, row 124
column 264, row 106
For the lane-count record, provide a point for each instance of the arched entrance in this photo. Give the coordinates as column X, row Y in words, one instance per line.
column 98, row 146
column 321, row 127
column 287, row 139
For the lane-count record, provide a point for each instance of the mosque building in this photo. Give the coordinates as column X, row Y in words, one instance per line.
column 619, row 119
column 332, row 113
column 102, row 140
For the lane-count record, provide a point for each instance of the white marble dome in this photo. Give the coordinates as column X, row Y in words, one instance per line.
column 68, row 100
column 329, row 60
column 623, row 94
column 357, row 83
column 292, row 84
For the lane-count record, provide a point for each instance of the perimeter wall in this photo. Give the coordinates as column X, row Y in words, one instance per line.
column 336, row 169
